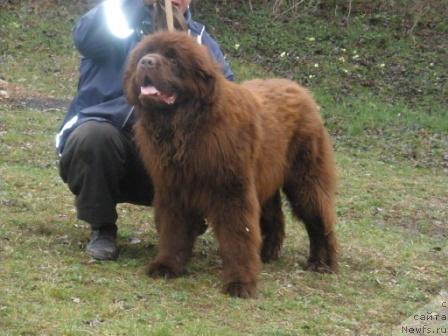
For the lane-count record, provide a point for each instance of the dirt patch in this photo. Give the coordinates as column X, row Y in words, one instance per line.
column 41, row 103
column 20, row 97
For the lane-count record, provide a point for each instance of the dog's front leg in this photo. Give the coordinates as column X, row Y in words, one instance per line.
column 236, row 224
column 177, row 229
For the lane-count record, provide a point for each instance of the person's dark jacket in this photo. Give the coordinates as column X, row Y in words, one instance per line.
column 100, row 95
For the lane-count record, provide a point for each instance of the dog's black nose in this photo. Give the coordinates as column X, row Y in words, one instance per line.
column 148, row 61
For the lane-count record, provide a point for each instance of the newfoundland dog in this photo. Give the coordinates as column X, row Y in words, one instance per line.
column 223, row 151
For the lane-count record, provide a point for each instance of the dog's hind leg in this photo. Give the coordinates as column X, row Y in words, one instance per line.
column 310, row 188
column 272, row 225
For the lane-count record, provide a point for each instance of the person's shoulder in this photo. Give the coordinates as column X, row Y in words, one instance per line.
column 196, row 27
column 199, row 30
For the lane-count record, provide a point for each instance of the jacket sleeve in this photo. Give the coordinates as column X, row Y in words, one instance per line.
column 92, row 36
column 215, row 49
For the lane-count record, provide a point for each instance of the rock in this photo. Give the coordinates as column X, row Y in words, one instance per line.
column 3, row 84
column 4, row 94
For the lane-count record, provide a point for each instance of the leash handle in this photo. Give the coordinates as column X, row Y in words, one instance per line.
column 169, row 15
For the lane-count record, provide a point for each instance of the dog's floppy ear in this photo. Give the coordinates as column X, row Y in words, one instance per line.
column 205, row 66
column 130, row 88
column 205, row 74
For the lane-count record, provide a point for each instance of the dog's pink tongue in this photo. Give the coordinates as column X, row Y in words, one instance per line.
column 152, row 91
column 149, row 90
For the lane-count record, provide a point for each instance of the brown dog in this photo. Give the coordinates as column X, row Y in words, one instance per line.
column 223, row 151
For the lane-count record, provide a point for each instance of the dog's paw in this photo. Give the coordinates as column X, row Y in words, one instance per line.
column 320, row 267
column 270, row 251
column 240, row 290
column 161, row 270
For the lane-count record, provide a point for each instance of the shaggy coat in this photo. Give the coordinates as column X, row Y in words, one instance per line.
column 224, row 151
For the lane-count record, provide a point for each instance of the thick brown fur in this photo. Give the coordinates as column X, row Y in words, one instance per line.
column 224, row 151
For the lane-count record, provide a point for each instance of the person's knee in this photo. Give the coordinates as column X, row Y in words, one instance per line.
column 93, row 144
column 93, row 139
column 94, row 134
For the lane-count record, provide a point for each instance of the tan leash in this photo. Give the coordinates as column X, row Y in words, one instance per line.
column 169, row 15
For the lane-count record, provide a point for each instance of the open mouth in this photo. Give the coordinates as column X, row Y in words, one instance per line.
column 147, row 89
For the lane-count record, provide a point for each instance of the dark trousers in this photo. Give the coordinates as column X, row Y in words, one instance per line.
column 101, row 167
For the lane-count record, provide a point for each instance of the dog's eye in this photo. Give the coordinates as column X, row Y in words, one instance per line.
column 171, row 56
column 172, row 60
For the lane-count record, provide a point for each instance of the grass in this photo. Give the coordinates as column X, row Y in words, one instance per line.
column 391, row 208
column 368, row 74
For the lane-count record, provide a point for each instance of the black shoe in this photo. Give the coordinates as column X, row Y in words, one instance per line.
column 103, row 245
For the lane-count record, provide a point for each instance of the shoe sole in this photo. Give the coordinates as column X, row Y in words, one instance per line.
column 103, row 256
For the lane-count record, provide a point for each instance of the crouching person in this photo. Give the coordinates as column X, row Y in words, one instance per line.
column 98, row 158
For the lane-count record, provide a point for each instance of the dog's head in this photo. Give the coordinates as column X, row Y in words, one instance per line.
column 167, row 69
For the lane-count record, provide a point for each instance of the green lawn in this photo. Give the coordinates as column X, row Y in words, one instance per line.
column 392, row 205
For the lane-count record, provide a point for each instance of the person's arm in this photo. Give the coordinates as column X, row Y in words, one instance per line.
column 93, row 35
column 215, row 50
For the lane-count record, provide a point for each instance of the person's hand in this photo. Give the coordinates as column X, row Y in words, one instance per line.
column 160, row 22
